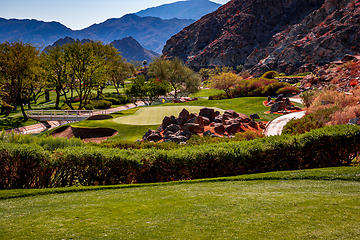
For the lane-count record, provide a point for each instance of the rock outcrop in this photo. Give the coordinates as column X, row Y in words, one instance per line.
column 207, row 123
column 288, row 36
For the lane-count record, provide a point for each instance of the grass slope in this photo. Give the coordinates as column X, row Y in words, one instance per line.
column 225, row 208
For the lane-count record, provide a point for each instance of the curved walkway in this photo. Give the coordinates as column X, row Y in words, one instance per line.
column 38, row 128
column 276, row 126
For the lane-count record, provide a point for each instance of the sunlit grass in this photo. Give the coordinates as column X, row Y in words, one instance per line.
column 155, row 115
column 225, row 208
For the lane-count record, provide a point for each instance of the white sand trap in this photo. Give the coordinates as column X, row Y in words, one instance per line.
column 155, row 115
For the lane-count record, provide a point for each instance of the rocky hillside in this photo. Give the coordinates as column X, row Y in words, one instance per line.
column 190, row 9
column 288, row 36
column 133, row 51
column 128, row 47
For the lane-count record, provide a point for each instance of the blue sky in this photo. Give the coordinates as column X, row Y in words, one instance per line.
column 76, row 14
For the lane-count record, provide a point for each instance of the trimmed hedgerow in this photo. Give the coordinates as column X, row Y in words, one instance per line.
column 23, row 166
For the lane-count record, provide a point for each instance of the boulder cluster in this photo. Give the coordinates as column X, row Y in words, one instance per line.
column 180, row 129
column 281, row 105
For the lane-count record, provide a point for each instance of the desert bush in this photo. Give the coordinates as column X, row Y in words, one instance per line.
column 309, row 96
column 253, row 87
column 342, row 116
column 288, row 90
column 270, row 75
column 328, row 99
column 309, row 122
column 271, row 89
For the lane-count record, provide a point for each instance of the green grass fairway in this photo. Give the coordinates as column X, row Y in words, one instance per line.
column 155, row 115
column 226, row 208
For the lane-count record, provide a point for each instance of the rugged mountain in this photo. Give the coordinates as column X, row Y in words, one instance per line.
column 190, row 9
column 66, row 40
column 151, row 32
column 326, row 35
column 270, row 34
column 128, row 47
column 32, row 31
column 133, row 51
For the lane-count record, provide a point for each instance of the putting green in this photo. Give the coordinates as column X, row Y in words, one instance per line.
column 155, row 115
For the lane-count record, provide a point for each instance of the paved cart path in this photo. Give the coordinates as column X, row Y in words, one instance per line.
column 37, row 128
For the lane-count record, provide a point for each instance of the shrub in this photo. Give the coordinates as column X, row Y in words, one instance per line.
column 11, row 123
column 101, row 104
column 24, row 166
column 30, row 166
column 219, row 96
column 311, row 121
column 114, row 101
column 309, row 96
column 288, row 90
column 89, row 106
column 271, row 89
column 66, row 107
column 270, row 75
column 115, row 98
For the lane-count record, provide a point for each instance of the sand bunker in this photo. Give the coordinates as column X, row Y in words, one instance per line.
column 99, row 117
column 86, row 134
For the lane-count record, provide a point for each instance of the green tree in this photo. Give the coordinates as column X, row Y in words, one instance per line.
column 182, row 79
column 149, row 91
column 119, row 71
column 17, row 65
column 53, row 62
column 86, row 65
column 225, row 81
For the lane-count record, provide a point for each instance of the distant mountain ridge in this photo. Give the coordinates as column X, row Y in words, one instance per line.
column 133, row 51
column 150, row 32
column 129, row 48
column 150, row 27
column 190, row 9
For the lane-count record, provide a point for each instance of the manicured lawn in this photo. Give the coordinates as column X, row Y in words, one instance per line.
column 226, row 208
column 206, row 93
column 132, row 124
column 246, row 105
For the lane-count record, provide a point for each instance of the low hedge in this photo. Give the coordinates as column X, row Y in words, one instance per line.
column 23, row 166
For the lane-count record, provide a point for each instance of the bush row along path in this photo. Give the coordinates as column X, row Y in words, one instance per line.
column 276, row 126
column 37, row 128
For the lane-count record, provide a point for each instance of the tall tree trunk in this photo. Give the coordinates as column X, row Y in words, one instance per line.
column 8, row 109
column 24, row 113
column 47, row 95
column 57, row 101
column 29, row 105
